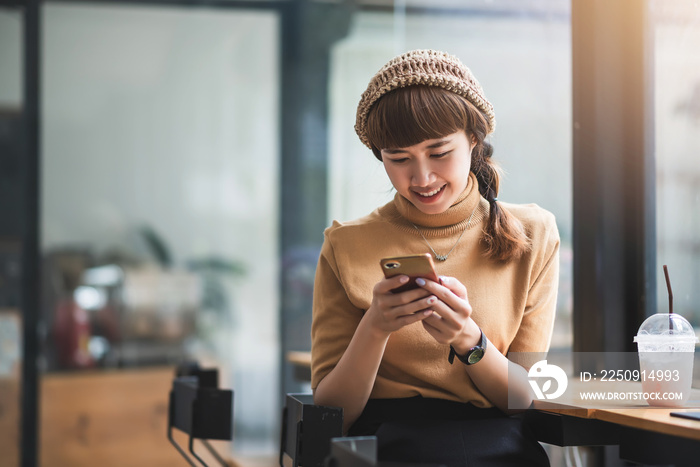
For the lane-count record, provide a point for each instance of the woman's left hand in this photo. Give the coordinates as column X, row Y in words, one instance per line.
column 451, row 321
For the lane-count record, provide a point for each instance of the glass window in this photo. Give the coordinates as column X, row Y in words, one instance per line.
column 160, row 203
column 677, row 115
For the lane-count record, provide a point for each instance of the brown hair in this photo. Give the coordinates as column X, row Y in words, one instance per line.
column 412, row 114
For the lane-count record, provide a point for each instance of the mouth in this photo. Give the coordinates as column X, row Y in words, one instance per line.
column 430, row 195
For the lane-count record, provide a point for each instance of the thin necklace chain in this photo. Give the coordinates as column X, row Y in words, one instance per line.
column 444, row 257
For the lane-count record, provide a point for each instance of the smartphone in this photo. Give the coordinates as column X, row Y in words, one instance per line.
column 413, row 266
column 690, row 415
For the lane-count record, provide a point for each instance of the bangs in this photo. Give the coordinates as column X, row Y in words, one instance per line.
column 410, row 115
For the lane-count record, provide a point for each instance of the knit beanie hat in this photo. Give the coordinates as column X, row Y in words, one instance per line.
column 427, row 67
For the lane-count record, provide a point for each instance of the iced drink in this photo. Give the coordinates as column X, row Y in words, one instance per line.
column 666, row 345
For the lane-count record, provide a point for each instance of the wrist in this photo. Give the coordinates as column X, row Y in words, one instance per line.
column 473, row 355
column 373, row 328
column 468, row 339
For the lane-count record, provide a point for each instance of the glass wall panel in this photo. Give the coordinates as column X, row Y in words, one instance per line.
column 11, row 190
column 521, row 54
column 159, row 195
column 677, row 115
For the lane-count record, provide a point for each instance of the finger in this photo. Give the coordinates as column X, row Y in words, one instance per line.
column 429, row 326
column 444, row 320
column 414, row 317
column 455, row 286
column 385, row 285
column 412, row 307
column 449, row 297
column 446, row 283
column 434, row 321
column 441, row 330
column 409, row 296
column 449, row 317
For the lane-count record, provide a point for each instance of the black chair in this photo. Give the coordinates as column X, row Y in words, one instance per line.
column 361, row 451
column 307, row 430
column 198, row 408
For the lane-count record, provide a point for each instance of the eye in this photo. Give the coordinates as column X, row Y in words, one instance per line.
column 399, row 160
column 440, row 155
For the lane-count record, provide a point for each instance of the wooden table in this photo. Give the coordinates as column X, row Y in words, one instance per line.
column 645, row 434
column 301, row 361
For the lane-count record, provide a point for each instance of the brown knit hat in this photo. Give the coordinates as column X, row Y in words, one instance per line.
column 428, row 67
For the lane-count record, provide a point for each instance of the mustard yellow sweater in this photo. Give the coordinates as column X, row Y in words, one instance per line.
column 513, row 303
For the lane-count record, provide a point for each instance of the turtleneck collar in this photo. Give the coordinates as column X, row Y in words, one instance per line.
column 459, row 212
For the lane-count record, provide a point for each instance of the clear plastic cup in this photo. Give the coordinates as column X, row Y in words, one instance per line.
column 666, row 346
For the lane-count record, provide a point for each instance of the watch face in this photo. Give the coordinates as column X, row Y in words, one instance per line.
column 475, row 355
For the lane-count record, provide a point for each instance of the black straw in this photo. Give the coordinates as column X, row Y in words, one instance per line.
column 670, row 298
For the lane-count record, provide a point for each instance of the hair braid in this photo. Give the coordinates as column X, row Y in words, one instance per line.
column 504, row 237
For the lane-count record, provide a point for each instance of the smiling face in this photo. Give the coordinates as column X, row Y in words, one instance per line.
column 425, row 136
column 431, row 174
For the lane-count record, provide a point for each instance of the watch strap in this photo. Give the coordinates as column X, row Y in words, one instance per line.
column 465, row 358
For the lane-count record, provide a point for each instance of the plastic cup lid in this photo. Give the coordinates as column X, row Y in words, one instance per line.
column 664, row 327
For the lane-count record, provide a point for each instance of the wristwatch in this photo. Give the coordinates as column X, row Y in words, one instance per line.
column 474, row 355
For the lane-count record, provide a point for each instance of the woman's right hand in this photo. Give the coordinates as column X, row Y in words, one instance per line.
column 350, row 383
column 390, row 311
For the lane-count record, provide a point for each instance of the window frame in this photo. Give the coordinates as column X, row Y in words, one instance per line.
column 614, row 186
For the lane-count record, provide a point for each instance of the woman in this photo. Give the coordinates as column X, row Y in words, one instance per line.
column 388, row 359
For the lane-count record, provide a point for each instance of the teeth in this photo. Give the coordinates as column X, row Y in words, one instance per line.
column 430, row 193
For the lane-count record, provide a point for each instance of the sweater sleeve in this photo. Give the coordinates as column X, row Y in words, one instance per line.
column 535, row 331
column 335, row 318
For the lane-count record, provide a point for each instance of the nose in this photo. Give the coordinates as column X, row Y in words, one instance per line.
column 422, row 174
